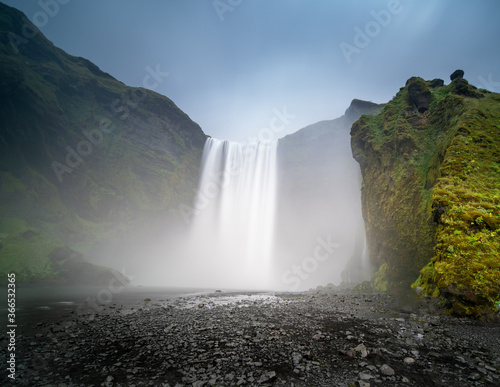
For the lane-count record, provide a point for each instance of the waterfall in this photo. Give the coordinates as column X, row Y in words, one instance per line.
column 232, row 231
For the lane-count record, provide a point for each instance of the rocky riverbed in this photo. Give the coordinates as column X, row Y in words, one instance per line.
column 260, row 339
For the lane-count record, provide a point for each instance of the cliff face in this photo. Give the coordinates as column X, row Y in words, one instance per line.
column 83, row 157
column 430, row 192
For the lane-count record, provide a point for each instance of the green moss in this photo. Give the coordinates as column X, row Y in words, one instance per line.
column 380, row 279
column 467, row 252
column 399, row 152
column 425, row 280
column 25, row 251
column 431, row 195
column 10, row 184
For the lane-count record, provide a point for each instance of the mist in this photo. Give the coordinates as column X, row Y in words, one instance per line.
column 279, row 215
column 320, row 236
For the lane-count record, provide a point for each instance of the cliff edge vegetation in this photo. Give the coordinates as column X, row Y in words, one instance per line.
column 430, row 163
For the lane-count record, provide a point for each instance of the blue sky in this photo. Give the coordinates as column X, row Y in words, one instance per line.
column 233, row 63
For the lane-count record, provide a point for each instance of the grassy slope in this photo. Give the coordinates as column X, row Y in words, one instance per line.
column 141, row 170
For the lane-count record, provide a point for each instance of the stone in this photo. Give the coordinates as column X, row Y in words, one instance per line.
column 213, row 346
column 297, row 357
column 457, row 74
column 436, row 83
column 268, row 376
column 361, row 349
column 409, row 360
column 474, row 376
column 365, row 376
column 386, row 370
column 462, row 87
column 420, row 95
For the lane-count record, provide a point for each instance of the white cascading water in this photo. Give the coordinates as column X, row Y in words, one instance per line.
column 232, row 230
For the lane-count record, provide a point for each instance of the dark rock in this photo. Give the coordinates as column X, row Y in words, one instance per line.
column 268, row 376
column 474, row 376
column 439, row 210
column 420, row 95
column 436, row 83
column 457, row 74
column 365, row 376
column 460, row 86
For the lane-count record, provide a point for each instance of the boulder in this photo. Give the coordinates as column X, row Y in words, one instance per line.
column 436, row 83
column 420, row 95
column 457, row 74
column 460, row 86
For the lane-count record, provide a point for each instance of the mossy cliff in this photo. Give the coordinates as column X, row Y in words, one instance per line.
column 431, row 192
column 84, row 158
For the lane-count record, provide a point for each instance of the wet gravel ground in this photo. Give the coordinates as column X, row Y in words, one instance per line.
column 259, row 339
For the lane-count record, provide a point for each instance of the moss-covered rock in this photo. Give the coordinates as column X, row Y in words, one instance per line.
column 430, row 194
column 419, row 94
column 466, row 206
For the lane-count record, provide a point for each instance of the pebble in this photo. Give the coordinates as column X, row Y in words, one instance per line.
column 260, row 339
column 386, row 370
column 365, row 376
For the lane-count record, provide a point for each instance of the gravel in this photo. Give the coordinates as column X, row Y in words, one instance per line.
column 260, row 339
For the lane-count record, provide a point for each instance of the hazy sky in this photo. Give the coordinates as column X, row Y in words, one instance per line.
column 232, row 64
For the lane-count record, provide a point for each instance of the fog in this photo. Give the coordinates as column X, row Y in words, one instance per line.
column 320, row 236
column 230, row 72
column 266, row 216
